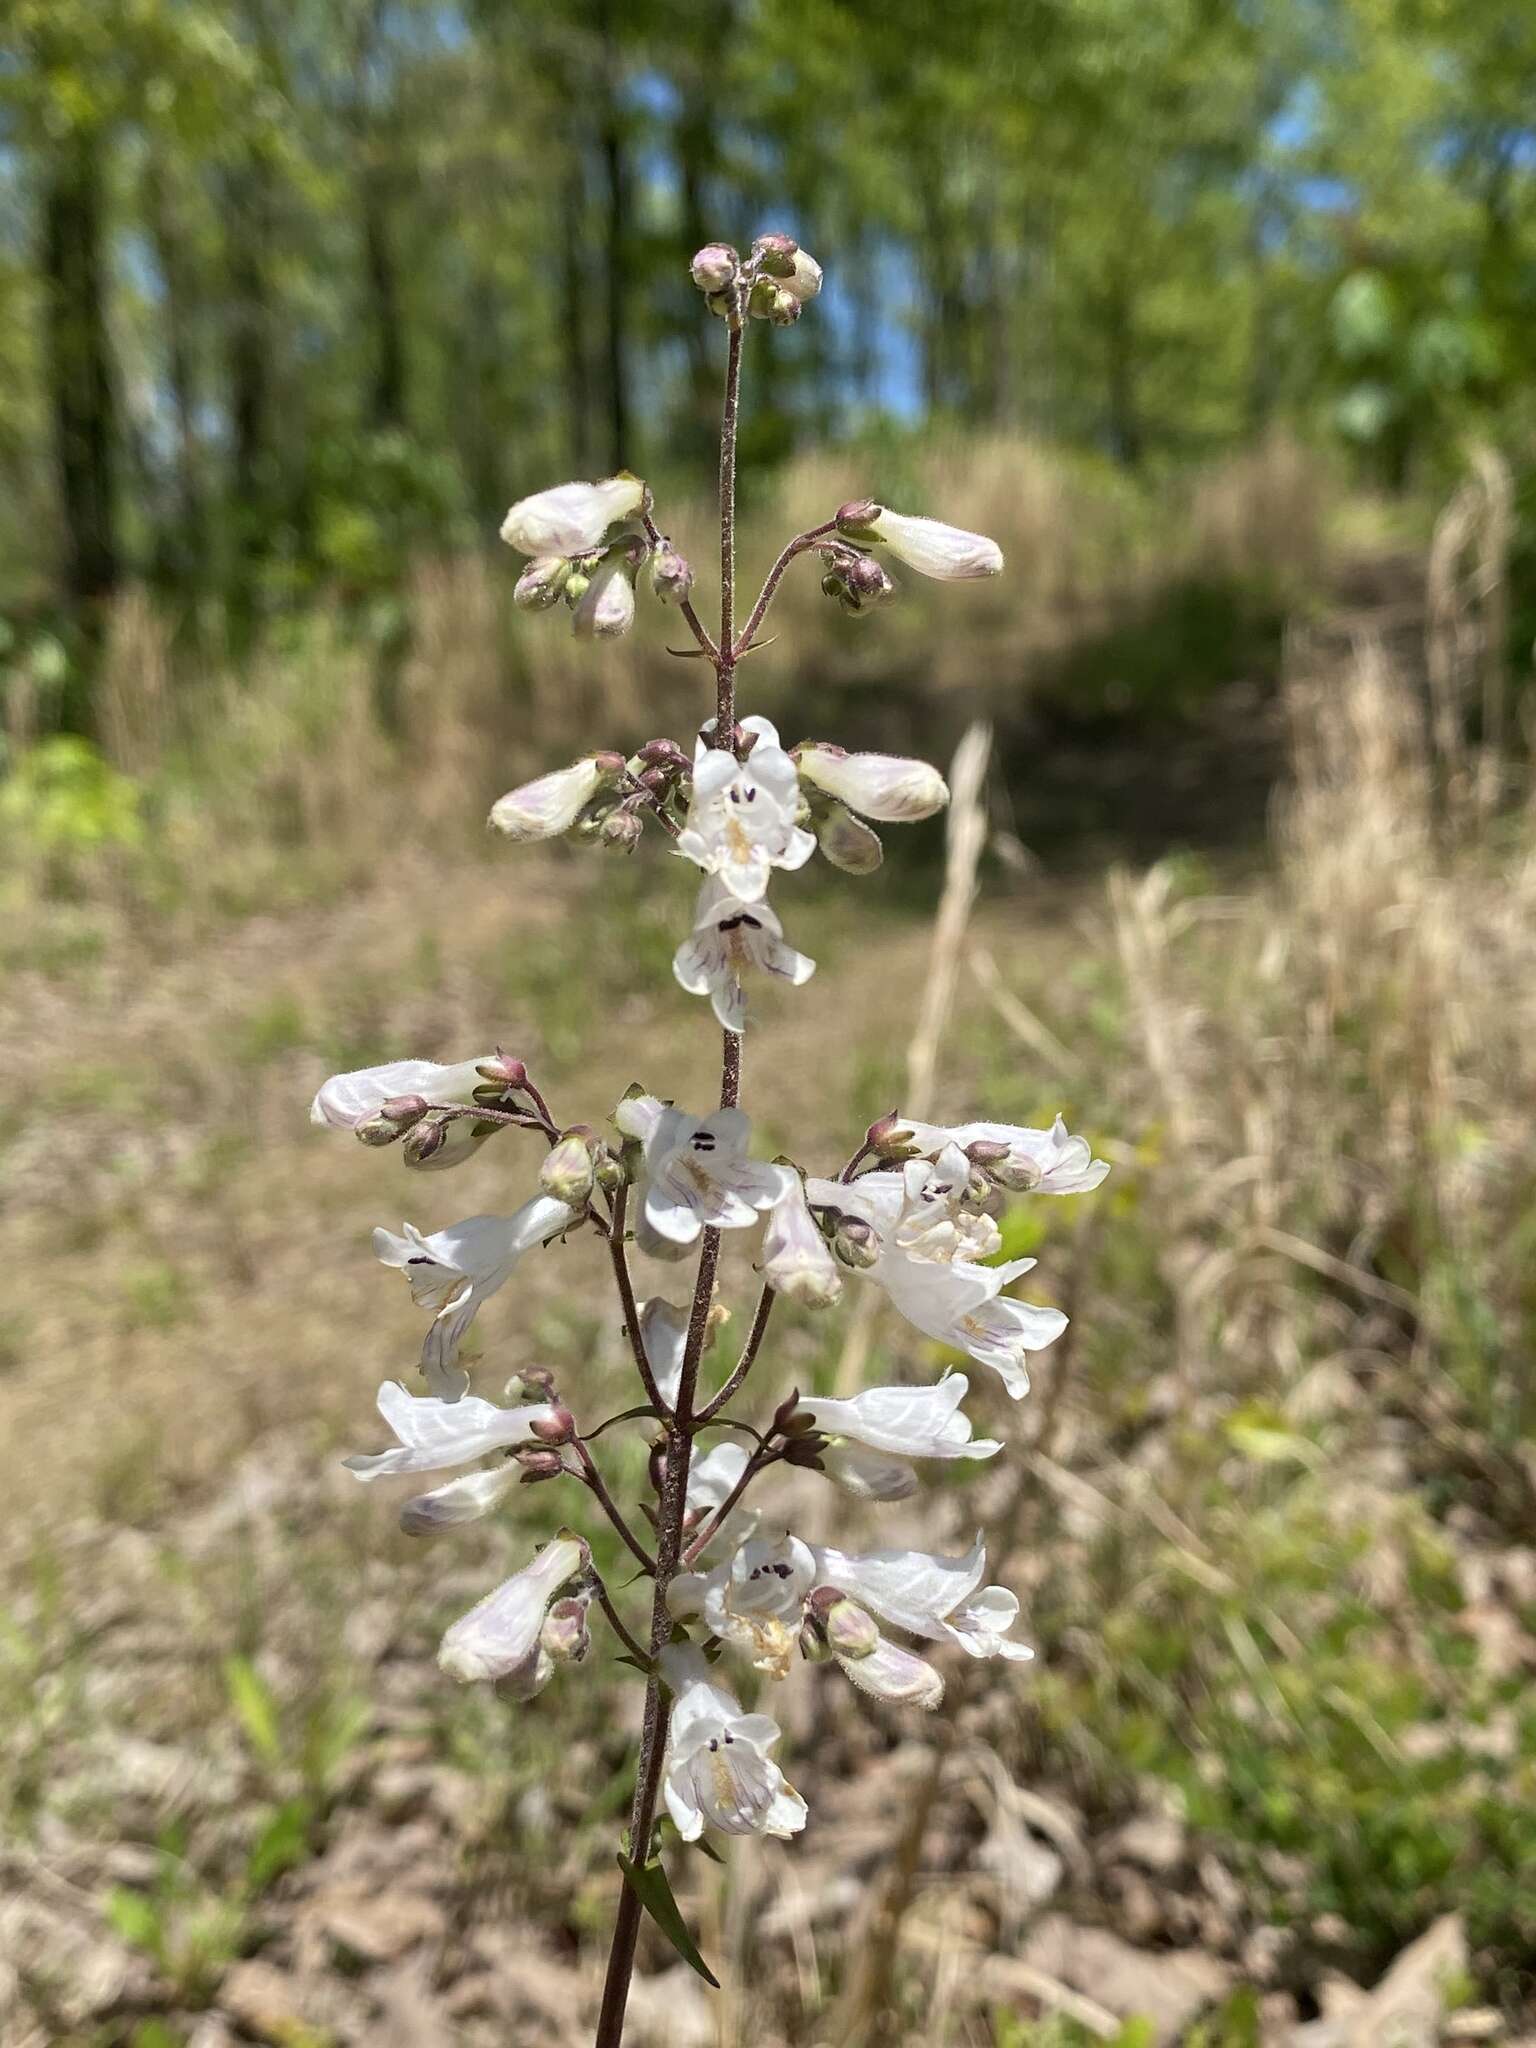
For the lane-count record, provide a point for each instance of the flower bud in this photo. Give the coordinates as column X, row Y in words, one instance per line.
column 804, row 281
column 552, row 803
column 867, row 581
column 948, row 553
column 760, row 299
column 621, row 829
column 565, row 1635
column 776, row 254
column 888, row 787
column 558, row 1427
column 805, row 1450
column 892, row 1138
column 856, row 1243
column 671, row 574
column 538, row 1464
column 857, row 516
column 813, row 1645
column 1018, row 1176
column 608, row 1170
column 715, row 266
column 783, row 308
column 575, row 588
column 512, row 1073
column 722, row 304
column 664, row 754
column 392, row 1119
column 567, row 1169
column 848, row 842
column 573, row 519
column 607, row 605
column 850, row 1631
column 425, row 1142
column 541, row 583
column 533, row 1383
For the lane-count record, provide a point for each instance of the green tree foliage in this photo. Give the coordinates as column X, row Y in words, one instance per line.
column 289, row 286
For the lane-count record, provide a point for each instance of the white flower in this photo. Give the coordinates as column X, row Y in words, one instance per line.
column 435, row 1435
column 804, row 281
column 712, row 1480
column 606, row 608
column 572, row 519
column 664, row 1333
column 728, row 937
column 454, row 1270
column 847, row 842
column 461, row 1500
column 698, row 1170
column 892, row 1673
column 934, row 549
column 741, row 819
column 755, row 1599
column 930, row 1240
column 1049, row 1162
column 867, row 1475
column 552, row 803
column 914, row 1422
column 499, row 1637
column 347, row 1100
column 888, row 787
column 797, row 1260
column 940, row 1598
column 719, row 1766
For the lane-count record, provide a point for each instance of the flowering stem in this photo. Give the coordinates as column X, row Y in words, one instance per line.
column 673, row 1504
column 797, row 546
column 758, row 1462
column 745, row 1363
column 696, row 625
column 626, row 1289
column 594, row 1479
column 595, row 1580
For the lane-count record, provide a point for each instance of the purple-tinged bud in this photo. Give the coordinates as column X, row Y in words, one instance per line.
column 566, row 1173
column 512, row 1073
column 850, row 1631
column 776, row 254
column 392, row 1119
column 538, row 1464
column 805, row 1450
column 621, row 829
column 611, row 763
column 657, row 780
column 533, row 1383
column 857, row 515
column 671, row 574
column 867, row 581
column 425, row 1142
column 608, row 1170
column 819, row 1603
column 558, row 1427
column 663, row 754
column 892, row 1138
column 714, row 268
column 856, row 1243
column 541, row 583
column 784, row 309
column 565, row 1635
column 784, row 1414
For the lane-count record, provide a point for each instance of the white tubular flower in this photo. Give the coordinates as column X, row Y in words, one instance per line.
column 741, row 818
column 892, row 1673
column 573, row 519
column 939, row 1598
column 797, row 1261
column 552, row 803
column 947, row 553
column 435, row 1435
column 890, row 788
column 499, row 1637
column 914, row 1422
column 867, row 1475
column 698, row 1169
column 719, row 1763
column 606, row 608
column 1049, row 1162
column 730, row 936
column 347, row 1100
column 754, row 1600
column 664, row 1333
column 454, row 1270
column 463, row 1500
column 929, row 1242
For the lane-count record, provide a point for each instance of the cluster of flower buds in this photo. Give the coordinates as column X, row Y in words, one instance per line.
column 775, row 282
column 588, row 544
column 913, row 1214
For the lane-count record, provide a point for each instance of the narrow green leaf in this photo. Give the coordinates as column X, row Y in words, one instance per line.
column 133, row 1917
column 648, row 1882
column 255, row 1707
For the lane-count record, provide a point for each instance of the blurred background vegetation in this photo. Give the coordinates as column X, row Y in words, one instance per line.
column 1220, row 319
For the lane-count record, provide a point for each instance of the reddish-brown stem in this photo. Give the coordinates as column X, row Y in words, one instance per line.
column 747, row 1359
column 615, row 1620
column 594, row 1479
column 673, row 1504
column 626, row 1289
column 797, row 546
column 696, row 625
column 758, row 1462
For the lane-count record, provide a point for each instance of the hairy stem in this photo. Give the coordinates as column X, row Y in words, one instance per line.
column 626, row 1289
column 792, row 548
column 747, row 1359
column 695, row 624
column 674, row 1479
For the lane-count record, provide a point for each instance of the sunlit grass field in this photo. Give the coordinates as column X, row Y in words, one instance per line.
column 1269, row 1506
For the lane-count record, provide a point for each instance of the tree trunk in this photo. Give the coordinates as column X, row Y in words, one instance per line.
column 82, row 398
column 387, row 398
column 184, row 548
column 247, row 204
